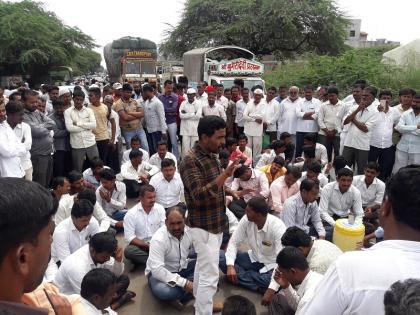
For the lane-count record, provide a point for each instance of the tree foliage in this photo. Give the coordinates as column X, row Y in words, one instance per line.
column 33, row 40
column 282, row 27
column 344, row 70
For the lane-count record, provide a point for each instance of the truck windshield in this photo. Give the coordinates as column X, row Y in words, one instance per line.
column 132, row 68
column 227, row 84
column 148, row 67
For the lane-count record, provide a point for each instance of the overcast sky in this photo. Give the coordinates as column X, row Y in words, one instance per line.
column 106, row 21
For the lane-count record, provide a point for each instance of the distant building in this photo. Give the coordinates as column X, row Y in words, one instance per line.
column 358, row 39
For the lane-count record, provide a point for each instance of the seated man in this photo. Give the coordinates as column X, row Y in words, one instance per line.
column 320, row 254
column 135, row 145
column 248, row 183
column 313, row 171
column 275, row 169
column 372, row 191
column 101, row 252
column 91, row 175
column 168, row 185
column 140, row 223
column 234, row 153
column 60, row 188
column 169, row 271
column 320, row 150
column 302, row 207
column 278, row 148
column 98, row 288
column 78, row 183
column 162, row 153
column 238, row 305
column 298, row 282
column 65, row 205
column 224, row 158
column 263, row 233
column 283, row 188
column 339, row 200
column 287, row 138
column 136, row 172
column 111, row 196
column 74, row 232
column 243, row 145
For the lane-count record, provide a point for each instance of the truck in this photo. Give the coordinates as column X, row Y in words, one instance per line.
column 130, row 59
column 222, row 65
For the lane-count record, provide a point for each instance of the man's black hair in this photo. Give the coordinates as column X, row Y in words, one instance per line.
column 78, row 93
column 13, row 107
column 240, row 171
column 224, row 154
column 127, row 87
column 230, row 141
column 406, row 91
column 238, row 305
column 294, row 171
column 22, row 216
column 308, row 184
column 167, row 162
column 97, row 282
column 373, row 165
column 57, row 103
column 74, row 176
column 209, row 124
column 96, row 162
column 403, row 298
column 146, row 188
column 277, row 144
column 135, row 139
column 107, row 174
column 385, row 92
column 332, row 90
column 311, row 136
column 314, row 166
column 87, row 194
column 103, row 242
column 279, row 160
column 239, row 82
column 344, row 172
column 135, row 153
column 57, row 181
column 96, row 91
column 81, row 208
column 295, row 237
column 292, row 257
column 258, row 205
column 371, row 90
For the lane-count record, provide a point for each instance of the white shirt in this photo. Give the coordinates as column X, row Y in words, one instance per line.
column 156, row 160
column 407, row 126
column 215, row 110
column 77, row 265
column 356, row 138
column 265, row 244
column 258, row 182
column 64, row 212
column 327, row 116
column 382, row 133
column 139, row 224
column 118, row 198
column 168, row 194
column 168, row 256
column 320, row 154
column 287, row 116
column 23, row 133
column 67, row 239
column 81, row 135
column 372, row 195
column 323, row 180
column 342, row 113
column 222, row 101
column 297, row 213
column 117, row 126
column 297, row 299
column 240, row 107
column 129, row 172
column 126, row 155
column 356, row 283
column 334, row 202
column 189, row 119
column 272, row 110
column 233, row 221
column 305, row 106
column 11, row 149
column 251, row 113
column 267, row 158
column 91, row 309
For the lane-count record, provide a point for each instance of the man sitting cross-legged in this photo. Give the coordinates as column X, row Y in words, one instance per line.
column 140, row 223
column 262, row 231
column 168, row 269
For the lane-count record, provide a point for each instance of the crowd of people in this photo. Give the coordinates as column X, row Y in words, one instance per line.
column 208, row 170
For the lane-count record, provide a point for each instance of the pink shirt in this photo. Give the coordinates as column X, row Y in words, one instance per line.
column 280, row 192
column 258, row 182
column 238, row 154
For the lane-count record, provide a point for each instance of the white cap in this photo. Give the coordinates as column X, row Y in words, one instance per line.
column 258, row 91
column 63, row 91
column 117, row 86
column 94, row 86
column 191, row 91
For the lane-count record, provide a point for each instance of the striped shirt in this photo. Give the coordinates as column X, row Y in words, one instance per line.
column 205, row 200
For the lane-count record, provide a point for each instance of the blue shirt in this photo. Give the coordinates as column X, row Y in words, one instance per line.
column 170, row 104
column 407, row 126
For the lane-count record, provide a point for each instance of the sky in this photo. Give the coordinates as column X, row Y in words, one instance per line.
column 106, row 21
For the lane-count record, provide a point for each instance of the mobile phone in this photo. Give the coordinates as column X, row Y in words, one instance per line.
column 382, row 104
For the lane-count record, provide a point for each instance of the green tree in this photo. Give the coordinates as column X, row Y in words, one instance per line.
column 282, row 27
column 33, row 40
column 86, row 61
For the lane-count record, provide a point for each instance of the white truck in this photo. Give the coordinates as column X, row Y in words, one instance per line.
column 223, row 65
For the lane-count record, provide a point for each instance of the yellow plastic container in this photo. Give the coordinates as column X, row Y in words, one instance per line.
column 347, row 236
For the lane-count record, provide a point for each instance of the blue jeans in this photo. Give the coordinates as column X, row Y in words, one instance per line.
column 153, row 138
column 139, row 133
column 247, row 272
column 164, row 292
column 119, row 215
column 172, row 130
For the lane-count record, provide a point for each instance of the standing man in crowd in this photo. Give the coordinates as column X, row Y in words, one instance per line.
column 271, row 113
column 328, row 124
column 362, row 119
column 170, row 104
column 204, row 182
column 80, row 121
column 240, row 107
column 210, row 107
column 154, row 116
column 287, row 115
column 42, row 140
column 190, row 113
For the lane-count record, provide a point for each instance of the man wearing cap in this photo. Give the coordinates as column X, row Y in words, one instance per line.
column 287, row 115
column 254, row 116
column 190, row 113
column 154, row 116
column 131, row 114
column 117, row 89
column 65, row 95
column 211, row 107
column 201, row 95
